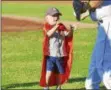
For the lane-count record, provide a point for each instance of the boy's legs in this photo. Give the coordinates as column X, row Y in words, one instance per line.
column 48, row 74
column 49, row 69
column 58, row 78
column 60, row 70
column 54, row 64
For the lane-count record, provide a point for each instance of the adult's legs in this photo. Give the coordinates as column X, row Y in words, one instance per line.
column 107, row 55
column 107, row 79
column 95, row 70
column 102, row 58
column 93, row 80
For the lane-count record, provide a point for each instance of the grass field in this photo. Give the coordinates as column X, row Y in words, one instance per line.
column 22, row 51
column 22, row 55
column 38, row 10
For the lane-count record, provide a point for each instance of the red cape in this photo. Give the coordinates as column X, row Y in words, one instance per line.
column 67, row 60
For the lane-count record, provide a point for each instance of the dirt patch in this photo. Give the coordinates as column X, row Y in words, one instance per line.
column 19, row 23
column 9, row 24
column 13, row 23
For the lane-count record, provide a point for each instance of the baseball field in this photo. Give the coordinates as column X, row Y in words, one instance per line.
column 22, row 36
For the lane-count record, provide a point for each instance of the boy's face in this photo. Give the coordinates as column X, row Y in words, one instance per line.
column 52, row 20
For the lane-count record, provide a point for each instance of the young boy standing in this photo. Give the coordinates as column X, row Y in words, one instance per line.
column 57, row 51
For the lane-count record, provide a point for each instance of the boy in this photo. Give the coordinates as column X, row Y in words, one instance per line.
column 57, row 51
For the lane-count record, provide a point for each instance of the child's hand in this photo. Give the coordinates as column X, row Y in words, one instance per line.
column 61, row 27
column 57, row 23
column 73, row 27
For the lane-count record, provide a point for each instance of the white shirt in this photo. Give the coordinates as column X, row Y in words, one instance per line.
column 56, row 44
column 103, row 11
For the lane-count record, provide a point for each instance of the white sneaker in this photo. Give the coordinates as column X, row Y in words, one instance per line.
column 46, row 88
column 58, row 88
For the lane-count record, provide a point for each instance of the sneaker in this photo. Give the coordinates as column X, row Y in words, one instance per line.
column 58, row 88
column 46, row 88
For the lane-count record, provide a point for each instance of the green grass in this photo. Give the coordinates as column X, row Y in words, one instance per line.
column 38, row 10
column 22, row 55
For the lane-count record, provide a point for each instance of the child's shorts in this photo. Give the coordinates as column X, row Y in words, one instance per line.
column 55, row 64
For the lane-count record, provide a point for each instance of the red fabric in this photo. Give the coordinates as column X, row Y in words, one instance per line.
column 61, row 27
column 67, row 60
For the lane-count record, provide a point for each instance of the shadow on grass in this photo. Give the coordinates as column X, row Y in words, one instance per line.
column 20, row 85
column 81, row 79
column 72, row 80
column 101, row 88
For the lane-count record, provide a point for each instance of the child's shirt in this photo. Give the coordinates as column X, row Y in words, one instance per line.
column 56, row 44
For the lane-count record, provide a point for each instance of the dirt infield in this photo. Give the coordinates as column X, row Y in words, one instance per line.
column 12, row 23
column 20, row 23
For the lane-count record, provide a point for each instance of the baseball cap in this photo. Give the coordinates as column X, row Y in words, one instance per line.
column 52, row 11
